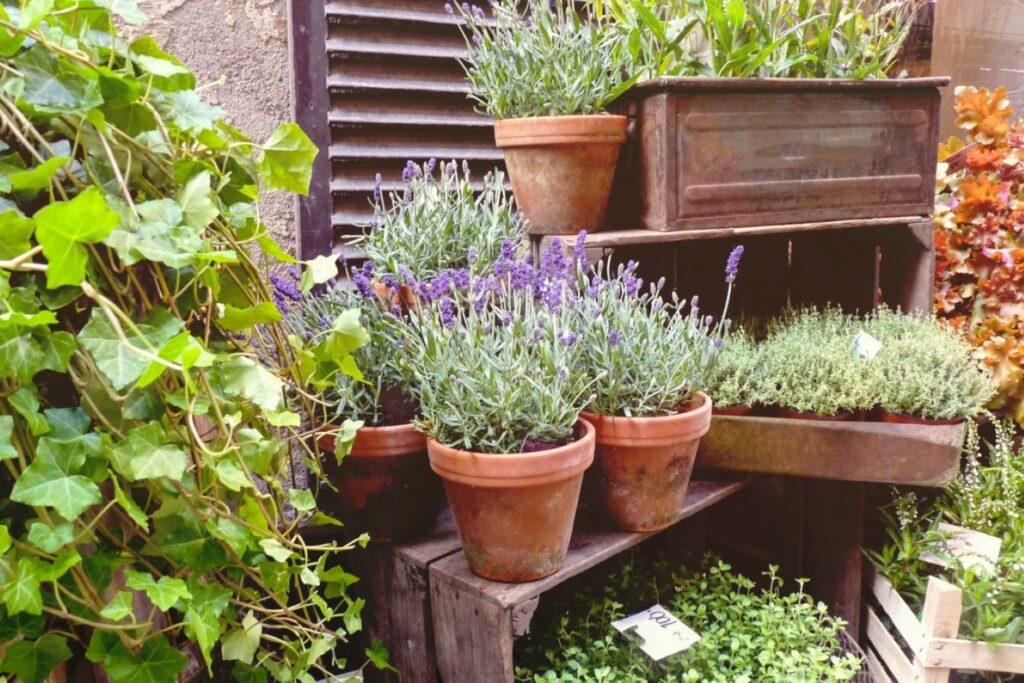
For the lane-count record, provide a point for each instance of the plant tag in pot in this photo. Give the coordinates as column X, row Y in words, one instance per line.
column 662, row 634
column 865, row 346
column 974, row 549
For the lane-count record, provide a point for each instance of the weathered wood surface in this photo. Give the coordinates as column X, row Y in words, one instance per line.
column 918, row 455
column 476, row 620
column 834, row 534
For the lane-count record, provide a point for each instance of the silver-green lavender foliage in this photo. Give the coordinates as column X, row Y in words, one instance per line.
column 541, row 60
column 925, row 369
column 738, row 376
column 491, row 377
column 439, row 222
column 655, row 355
column 380, row 361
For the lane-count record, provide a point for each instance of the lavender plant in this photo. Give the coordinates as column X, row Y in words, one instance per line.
column 438, row 222
column 541, row 60
column 655, row 354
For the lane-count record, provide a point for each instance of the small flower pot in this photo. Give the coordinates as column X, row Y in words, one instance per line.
column 900, row 418
column 561, row 168
column 384, row 485
column 403, row 297
column 645, row 464
column 791, row 414
column 514, row 511
column 735, row 411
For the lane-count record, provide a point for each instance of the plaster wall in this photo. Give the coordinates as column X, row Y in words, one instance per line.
column 239, row 50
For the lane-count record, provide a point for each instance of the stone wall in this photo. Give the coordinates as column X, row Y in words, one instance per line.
column 239, row 50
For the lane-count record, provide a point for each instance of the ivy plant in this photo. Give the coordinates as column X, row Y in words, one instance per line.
column 151, row 409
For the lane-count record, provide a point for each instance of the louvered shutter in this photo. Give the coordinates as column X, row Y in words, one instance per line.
column 395, row 91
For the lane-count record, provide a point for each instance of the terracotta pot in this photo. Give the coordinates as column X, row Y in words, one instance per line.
column 732, row 410
column 561, row 168
column 899, row 418
column 797, row 415
column 514, row 511
column 645, row 465
column 405, row 298
column 384, row 486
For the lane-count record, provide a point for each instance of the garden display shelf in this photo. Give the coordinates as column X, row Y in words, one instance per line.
column 930, row 650
column 908, row 454
column 707, row 152
column 440, row 621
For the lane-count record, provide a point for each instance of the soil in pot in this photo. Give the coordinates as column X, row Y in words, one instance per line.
column 515, row 511
column 883, row 415
column 797, row 415
column 645, row 464
column 561, row 168
column 384, row 486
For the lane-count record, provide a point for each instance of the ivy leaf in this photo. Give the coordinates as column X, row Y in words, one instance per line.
column 5, row 539
column 238, row 319
column 51, row 479
column 37, row 178
column 20, row 354
column 11, row 40
column 53, row 85
column 15, row 231
column 156, row 234
column 302, row 499
column 63, row 227
column 159, row 662
column 205, row 631
column 378, row 654
column 273, row 548
column 196, row 204
column 21, row 594
column 145, row 454
column 244, row 377
column 129, row 505
column 50, row 539
column 117, row 361
column 318, row 271
column 164, row 593
column 7, row 449
column 26, row 402
column 32, row 661
column 32, row 12
column 231, row 475
column 126, row 9
column 241, row 644
column 167, row 71
column 286, row 160
column 272, row 248
column 67, row 423
column 182, row 539
column 57, row 349
column 118, row 608
column 186, row 110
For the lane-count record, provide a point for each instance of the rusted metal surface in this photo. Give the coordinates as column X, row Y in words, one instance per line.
column 916, row 455
column 726, row 152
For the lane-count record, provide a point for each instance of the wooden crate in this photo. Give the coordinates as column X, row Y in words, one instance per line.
column 926, row 649
column 476, row 621
column 908, row 454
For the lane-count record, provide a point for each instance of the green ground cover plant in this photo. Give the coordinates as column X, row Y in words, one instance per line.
column 152, row 409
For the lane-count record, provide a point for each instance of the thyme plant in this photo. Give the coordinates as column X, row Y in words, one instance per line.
column 738, row 376
column 438, row 222
column 150, row 404
column 543, row 59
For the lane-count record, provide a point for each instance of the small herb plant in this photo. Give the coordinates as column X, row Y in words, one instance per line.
column 747, row 633
column 438, row 222
column 541, row 60
column 987, row 497
column 738, row 376
column 377, row 391
column 655, row 354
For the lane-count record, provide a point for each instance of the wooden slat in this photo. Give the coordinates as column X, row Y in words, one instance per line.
column 898, row 611
column 889, row 650
column 962, row 654
column 876, row 668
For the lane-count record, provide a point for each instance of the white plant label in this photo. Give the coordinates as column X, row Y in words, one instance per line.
column 662, row 633
column 973, row 548
column 866, row 346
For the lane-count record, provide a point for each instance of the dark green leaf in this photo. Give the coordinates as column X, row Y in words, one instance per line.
column 32, row 661
column 63, row 227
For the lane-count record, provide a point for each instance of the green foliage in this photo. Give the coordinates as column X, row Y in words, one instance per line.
column 151, row 411
column 738, row 376
column 747, row 634
column 544, row 60
column 760, row 38
column 987, row 497
column 440, row 222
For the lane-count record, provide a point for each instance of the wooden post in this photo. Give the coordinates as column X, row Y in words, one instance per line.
column 941, row 619
column 834, row 535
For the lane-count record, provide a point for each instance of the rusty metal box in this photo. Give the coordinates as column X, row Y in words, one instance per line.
column 739, row 152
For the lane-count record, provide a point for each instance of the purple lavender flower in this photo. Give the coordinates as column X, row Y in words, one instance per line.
column 732, row 265
column 362, row 283
column 431, row 164
column 401, row 343
column 294, row 273
column 505, row 318
column 396, row 310
column 391, row 282
column 447, row 313
column 480, row 302
column 719, row 343
column 522, row 277
column 563, row 373
column 471, row 255
column 285, row 288
column 368, row 270
column 613, row 338
column 579, row 251
column 441, row 284
column 568, row 337
column 377, row 194
column 461, row 279
column 508, row 250
column 410, row 171
column 448, row 8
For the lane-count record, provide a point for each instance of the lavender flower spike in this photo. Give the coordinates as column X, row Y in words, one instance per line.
column 732, row 265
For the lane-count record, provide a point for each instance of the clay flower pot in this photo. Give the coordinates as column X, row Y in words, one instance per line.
column 900, row 418
column 404, row 298
column 385, row 486
column 797, row 415
column 561, row 168
column 734, row 411
column 645, row 464
column 514, row 511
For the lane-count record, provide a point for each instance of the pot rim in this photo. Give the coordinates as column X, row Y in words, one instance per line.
column 514, row 470
column 907, row 418
column 791, row 414
column 655, row 430
column 383, row 442
column 536, row 131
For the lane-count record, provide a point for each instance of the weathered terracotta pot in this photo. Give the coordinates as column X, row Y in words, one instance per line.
column 385, row 486
column 645, row 464
column 797, row 415
column 899, row 418
column 561, row 168
column 733, row 410
column 514, row 511
column 404, row 297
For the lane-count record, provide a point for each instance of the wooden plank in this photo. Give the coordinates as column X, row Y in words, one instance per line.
column 834, row 531
column 834, row 268
column 889, row 650
column 876, row 668
column 907, row 267
column 920, row 455
column 964, row 654
column 941, row 619
column 472, row 637
column 591, row 544
column 898, row 611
